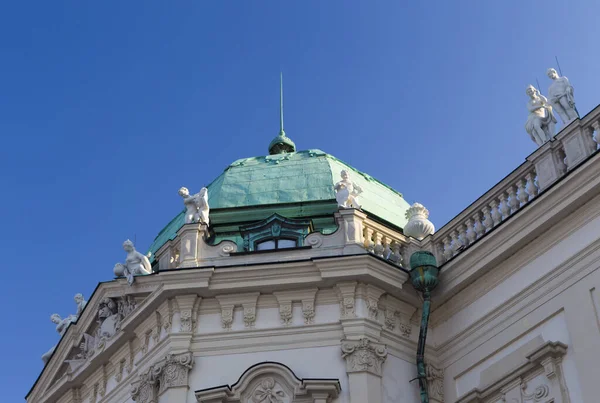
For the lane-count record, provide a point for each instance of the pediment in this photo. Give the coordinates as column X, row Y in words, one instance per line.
column 102, row 328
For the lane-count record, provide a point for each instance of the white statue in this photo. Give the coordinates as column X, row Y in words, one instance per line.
column 109, row 318
column 561, row 97
column 196, row 206
column 61, row 328
column 81, row 303
column 540, row 122
column 135, row 263
column 347, row 192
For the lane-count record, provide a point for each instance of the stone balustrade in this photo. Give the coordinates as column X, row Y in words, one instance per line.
column 548, row 164
column 383, row 242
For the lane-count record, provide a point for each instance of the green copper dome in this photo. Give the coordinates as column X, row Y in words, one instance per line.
column 296, row 184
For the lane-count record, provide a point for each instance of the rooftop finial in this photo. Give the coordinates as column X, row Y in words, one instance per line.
column 281, row 144
column 281, row 131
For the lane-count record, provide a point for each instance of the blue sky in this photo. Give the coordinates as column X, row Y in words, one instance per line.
column 107, row 108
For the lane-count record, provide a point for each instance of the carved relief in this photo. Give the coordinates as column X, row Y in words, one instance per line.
column 268, row 391
column 363, row 355
column 285, row 313
column 373, row 295
column 308, row 311
column 435, row 383
column 346, row 292
column 172, row 371
column 249, row 316
column 227, row 317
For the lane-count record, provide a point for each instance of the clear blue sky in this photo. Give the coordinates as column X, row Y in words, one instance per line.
column 106, row 109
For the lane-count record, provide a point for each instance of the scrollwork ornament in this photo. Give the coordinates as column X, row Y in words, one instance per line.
column 538, row 393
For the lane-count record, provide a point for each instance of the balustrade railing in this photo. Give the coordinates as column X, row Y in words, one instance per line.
column 383, row 242
column 570, row 147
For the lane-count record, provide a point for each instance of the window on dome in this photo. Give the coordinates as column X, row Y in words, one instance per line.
column 275, row 244
column 275, row 232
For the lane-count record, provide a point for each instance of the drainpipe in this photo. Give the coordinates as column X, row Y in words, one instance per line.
column 424, row 277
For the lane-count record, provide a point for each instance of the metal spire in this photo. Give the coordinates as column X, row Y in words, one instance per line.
column 281, row 131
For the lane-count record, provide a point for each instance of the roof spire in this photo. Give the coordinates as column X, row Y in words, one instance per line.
column 281, row 131
column 281, row 144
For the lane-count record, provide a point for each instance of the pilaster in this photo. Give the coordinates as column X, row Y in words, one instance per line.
column 364, row 361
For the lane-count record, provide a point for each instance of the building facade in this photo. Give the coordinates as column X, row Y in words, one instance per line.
column 287, row 280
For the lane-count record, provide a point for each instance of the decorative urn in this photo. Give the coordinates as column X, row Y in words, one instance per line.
column 418, row 225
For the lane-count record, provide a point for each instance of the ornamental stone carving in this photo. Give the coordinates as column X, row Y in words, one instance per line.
column 560, row 94
column 196, row 206
column 347, row 192
column 135, row 264
column 537, row 378
column 269, row 391
column 346, row 292
column 308, row 311
column 541, row 121
column 435, row 383
column 271, row 382
column 363, row 356
column 170, row 372
column 418, row 225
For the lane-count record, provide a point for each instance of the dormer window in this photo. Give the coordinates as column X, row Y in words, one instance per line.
column 276, row 232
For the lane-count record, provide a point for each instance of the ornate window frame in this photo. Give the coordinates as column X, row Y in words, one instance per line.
column 275, row 228
column 271, row 382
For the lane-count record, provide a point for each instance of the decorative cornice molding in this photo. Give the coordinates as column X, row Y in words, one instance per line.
column 363, row 356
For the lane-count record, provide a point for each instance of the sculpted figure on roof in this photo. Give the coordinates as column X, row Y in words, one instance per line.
column 196, row 206
column 135, row 264
column 61, row 328
column 561, row 97
column 81, row 303
column 541, row 121
column 347, row 192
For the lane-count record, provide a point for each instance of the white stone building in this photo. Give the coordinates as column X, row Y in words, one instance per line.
column 291, row 293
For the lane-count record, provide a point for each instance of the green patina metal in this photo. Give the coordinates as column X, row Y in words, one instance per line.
column 274, row 228
column 424, row 277
column 293, row 185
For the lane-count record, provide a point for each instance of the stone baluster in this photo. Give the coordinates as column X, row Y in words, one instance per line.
column 462, row 235
column 478, row 226
column 531, row 187
column 387, row 250
column 504, row 209
column 596, row 127
column 471, row 235
column 589, row 139
column 488, row 222
column 456, row 244
column 513, row 203
column 368, row 236
column 496, row 216
column 378, row 239
column 522, row 195
column 448, row 252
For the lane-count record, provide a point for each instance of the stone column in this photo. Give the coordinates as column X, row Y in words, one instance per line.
column 364, row 360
